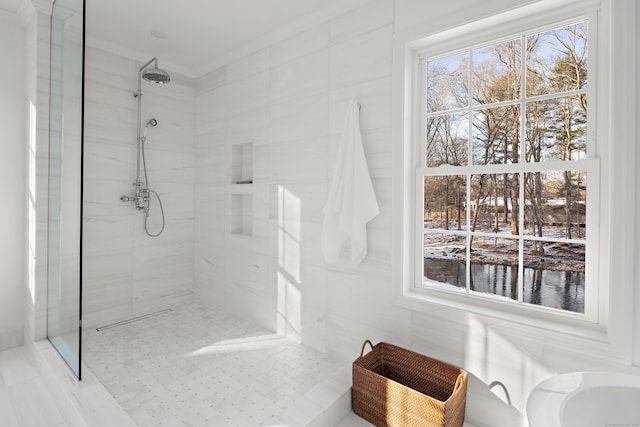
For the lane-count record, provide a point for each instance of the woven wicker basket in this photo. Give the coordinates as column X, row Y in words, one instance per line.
column 393, row 386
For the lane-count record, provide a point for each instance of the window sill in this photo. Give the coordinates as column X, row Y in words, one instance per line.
column 536, row 322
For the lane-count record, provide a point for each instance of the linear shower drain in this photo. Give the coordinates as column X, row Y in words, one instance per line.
column 134, row 319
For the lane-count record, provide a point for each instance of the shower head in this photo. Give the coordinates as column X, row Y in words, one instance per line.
column 156, row 75
column 152, row 122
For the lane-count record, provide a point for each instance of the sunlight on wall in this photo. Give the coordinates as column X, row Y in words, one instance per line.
column 492, row 357
column 289, row 261
column 31, row 262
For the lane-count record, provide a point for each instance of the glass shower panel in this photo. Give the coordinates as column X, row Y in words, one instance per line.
column 64, row 291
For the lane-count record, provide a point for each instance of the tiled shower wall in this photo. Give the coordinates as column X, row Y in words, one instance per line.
column 126, row 272
column 289, row 100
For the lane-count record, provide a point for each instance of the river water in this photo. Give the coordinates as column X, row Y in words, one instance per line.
column 549, row 288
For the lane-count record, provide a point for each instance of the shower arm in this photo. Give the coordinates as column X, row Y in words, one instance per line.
column 138, row 96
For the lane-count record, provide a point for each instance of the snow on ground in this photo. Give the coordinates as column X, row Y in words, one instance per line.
column 503, row 250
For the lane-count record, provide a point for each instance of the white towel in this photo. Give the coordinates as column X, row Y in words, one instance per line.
column 352, row 202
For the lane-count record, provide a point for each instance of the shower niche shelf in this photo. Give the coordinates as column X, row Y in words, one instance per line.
column 242, row 189
column 242, row 214
column 242, row 163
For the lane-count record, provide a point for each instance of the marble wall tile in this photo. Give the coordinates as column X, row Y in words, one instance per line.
column 210, row 258
column 311, row 197
column 361, row 59
column 211, row 105
column 211, row 200
column 38, row 65
column 409, row 13
column 302, row 44
column 301, row 77
column 249, row 268
column 106, row 159
column 313, row 285
column 168, row 166
column 345, row 335
column 362, row 20
column 378, row 152
column 301, row 160
column 311, row 76
column 115, row 232
column 263, row 171
column 114, row 123
column 312, row 255
column 251, row 64
column 300, row 119
column 252, row 126
column 106, row 303
column 211, row 128
column 211, row 80
column 313, row 329
column 374, row 97
column 210, row 238
column 178, row 236
column 212, row 166
column 176, row 197
column 261, row 200
column 121, row 262
column 102, row 194
column 108, row 265
column 439, row 338
column 260, row 308
column 248, row 94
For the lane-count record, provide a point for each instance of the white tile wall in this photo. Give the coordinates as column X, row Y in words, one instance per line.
column 126, row 272
column 13, row 114
column 290, row 100
column 38, row 64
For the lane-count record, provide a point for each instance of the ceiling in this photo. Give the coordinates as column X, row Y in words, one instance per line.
column 200, row 34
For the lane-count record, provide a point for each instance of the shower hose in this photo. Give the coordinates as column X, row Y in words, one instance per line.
column 146, row 183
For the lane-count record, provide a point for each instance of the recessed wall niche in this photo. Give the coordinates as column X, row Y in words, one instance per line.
column 242, row 163
column 242, row 189
column 242, row 214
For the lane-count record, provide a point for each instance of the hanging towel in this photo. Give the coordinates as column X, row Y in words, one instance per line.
column 352, row 202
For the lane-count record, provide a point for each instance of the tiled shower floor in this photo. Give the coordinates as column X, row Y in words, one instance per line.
column 193, row 366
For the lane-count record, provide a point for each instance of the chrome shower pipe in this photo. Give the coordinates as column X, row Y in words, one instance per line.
column 138, row 96
column 142, row 194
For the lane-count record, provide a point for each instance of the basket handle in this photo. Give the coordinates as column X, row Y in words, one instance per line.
column 458, row 383
column 363, row 345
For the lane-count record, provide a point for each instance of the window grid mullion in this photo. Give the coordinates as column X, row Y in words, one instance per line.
column 467, row 266
column 523, row 151
column 419, row 212
column 527, row 99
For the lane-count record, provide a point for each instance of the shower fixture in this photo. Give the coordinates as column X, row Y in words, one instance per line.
column 156, row 75
column 142, row 192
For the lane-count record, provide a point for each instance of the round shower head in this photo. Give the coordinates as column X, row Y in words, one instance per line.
column 156, row 75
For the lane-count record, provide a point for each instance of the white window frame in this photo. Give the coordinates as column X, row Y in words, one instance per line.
column 409, row 46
